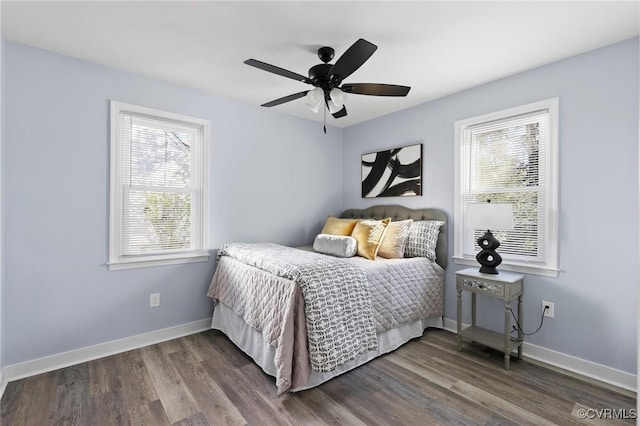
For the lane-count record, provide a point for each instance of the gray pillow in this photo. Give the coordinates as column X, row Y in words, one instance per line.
column 336, row 245
column 423, row 238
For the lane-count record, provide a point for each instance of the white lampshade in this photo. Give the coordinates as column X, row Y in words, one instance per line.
column 314, row 107
column 315, row 96
column 314, row 99
column 338, row 97
column 333, row 107
column 490, row 216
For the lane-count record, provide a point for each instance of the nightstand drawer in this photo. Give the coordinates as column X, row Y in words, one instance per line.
column 479, row 286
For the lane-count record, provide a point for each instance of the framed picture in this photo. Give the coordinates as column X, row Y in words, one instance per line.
column 395, row 172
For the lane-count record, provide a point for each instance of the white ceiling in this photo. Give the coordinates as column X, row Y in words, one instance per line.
column 437, row 48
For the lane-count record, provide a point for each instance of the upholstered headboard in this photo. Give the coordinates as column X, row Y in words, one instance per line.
column 402, row 213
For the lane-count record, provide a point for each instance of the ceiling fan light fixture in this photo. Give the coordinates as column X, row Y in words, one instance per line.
column 338, row 97
column 333, row 107
column 314, row 107
column 315, row 96
column 314, row 99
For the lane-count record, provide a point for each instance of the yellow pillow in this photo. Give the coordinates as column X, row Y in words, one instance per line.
column 336, row 226
column 369, row 233
column 395, row 238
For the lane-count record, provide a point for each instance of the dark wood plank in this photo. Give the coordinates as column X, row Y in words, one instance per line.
column 174, row 394
column 72, row 405
column 137, row 387
column 330, row 410
column 197, row 419
column 440, row 401
column 37, row 391
column 149, row 414
column 288, row 406
column 215, row 406
column 248, row 400
column 357, row 397
column 104, row 376
column 110, row 408
column 11, row 398
column 198, row 346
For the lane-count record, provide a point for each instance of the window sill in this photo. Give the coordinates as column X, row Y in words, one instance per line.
column 156, row 261
column 524, row 269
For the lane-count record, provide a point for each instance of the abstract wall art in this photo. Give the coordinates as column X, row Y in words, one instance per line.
column 394, row 172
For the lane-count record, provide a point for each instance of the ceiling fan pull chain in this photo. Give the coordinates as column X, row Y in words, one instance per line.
column 324, row 126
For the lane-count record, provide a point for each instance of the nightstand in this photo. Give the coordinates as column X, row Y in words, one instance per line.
column 504, row 286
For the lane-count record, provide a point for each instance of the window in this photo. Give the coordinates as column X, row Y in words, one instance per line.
column 511, row 157
column 158, row 180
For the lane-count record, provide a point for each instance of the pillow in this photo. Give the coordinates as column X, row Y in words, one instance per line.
column 369, row 233
column 422, row 240
column 336, row 226
column 336, row 245
column 395, row 238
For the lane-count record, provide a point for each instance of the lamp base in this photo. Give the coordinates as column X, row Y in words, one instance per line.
column 488, row 270
column 488, row 257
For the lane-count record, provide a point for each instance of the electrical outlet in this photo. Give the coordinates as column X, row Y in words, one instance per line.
column 550, row 312
column 154, row 300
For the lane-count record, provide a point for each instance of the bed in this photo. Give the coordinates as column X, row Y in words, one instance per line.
column 280, row 305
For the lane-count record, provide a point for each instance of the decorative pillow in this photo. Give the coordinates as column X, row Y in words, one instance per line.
column 395, row 239
column 422, row 240
column 369, row 233
column 337, row 226
column 336, row 245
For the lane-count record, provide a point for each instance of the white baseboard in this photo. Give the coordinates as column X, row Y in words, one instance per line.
column 89, row 353
column 590, row 369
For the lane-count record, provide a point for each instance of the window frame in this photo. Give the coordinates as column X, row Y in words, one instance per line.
column 199, row 163
column 549, row 267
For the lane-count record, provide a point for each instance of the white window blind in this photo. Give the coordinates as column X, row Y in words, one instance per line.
column 506, row 158
column 157, row 186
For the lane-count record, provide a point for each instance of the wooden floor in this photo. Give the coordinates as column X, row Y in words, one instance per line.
column 205, row 380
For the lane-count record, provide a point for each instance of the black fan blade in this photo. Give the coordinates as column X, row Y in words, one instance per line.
column 352, row 59
column 277, row 70
column 286, row 99
column 341, row 113
column 375, row 89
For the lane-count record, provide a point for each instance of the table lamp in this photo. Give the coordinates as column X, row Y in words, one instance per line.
column 496, row 216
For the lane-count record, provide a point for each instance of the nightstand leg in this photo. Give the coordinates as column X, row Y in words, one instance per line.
column 459, row 320
column 520, row 330
column 473, row 309
column 507, row 323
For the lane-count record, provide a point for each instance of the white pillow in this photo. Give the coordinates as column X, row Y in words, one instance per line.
column 336, row 245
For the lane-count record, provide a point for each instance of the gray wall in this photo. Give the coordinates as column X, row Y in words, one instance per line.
column 595, row 294
column 272, row 177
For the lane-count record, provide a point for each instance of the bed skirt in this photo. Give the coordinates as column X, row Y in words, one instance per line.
column 250, row 341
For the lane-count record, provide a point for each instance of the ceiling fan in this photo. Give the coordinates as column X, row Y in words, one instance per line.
column 327, row 79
